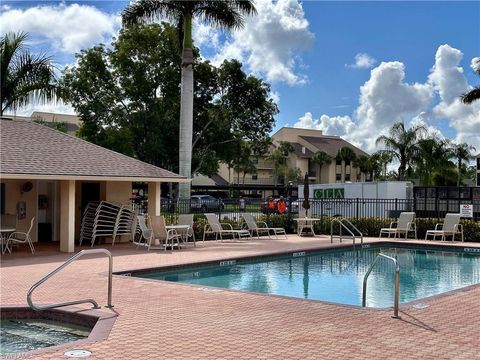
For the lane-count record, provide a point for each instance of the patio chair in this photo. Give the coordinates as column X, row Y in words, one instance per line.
column 146, row 233
column 219, row 229
column 187, row 219
column 161, row 234
column 450, row 227
column 261, row 227
column 19, row 237
column 404, row 225
column 304, row 223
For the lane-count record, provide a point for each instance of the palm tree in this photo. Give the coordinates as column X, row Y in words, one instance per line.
column 363, row 163
column 279, row 157
column 226, row 14
column 433, row 156
column 383, row 158
column 473, row 94
column 402, row 144
column 462, row 152
column 321, row 158
column 346, row 155
column 24, row 77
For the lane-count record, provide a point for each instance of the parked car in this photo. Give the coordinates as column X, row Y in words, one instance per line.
column 204, row 203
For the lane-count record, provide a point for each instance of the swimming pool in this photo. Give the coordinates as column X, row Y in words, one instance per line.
column 337, row 276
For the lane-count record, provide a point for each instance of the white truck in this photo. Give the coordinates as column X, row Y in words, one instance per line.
column 360, row 199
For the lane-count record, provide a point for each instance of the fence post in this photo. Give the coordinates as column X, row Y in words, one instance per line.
column 396, row 205
column 356, row 210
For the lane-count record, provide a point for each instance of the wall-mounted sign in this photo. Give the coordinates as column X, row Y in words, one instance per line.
column 334, row 193
column 466, row 210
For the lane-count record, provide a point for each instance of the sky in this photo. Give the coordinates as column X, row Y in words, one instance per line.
column 347, row 68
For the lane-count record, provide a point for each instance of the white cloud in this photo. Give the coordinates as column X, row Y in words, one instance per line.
column 336, row 125
column 447, row 77
column 363, row 61
column 475, row 63
column 270, row 42
column 65, row 28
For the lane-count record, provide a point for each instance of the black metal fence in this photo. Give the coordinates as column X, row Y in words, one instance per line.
column 350, row 208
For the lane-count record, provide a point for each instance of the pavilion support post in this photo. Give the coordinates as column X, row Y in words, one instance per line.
column 67, row 216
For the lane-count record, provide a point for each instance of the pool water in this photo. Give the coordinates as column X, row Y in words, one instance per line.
column 20, row 335
column 338, row 276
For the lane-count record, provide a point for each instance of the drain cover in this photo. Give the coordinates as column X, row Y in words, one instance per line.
column 77, row 353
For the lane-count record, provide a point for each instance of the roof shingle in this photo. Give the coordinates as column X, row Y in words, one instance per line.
column 28, row 148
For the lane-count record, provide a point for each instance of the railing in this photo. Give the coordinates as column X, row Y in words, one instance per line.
column 397, row 282
column 344, row 224
column 83, row 301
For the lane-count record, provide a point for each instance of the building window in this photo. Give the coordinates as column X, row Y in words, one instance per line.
column 338, row 162
column 338, row 177
column 254, row 177
column 255, row 160
column 347, row 177
column 347, row 162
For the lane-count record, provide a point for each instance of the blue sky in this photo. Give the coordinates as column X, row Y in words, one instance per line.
column 347, row 68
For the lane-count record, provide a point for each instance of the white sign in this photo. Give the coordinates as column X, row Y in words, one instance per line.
column 466, row 210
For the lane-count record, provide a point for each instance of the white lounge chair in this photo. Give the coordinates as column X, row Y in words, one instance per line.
column 219, row 229
column 19, row 237
column 161, row 237
column 404, row 225
column 450, row 227
column 187, row 219
column 261, row 227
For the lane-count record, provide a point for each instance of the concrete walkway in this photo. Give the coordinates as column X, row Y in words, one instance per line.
column 160, row 320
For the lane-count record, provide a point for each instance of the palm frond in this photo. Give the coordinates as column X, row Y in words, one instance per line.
column 471, row 96
column 144, row 11
column 225, row 14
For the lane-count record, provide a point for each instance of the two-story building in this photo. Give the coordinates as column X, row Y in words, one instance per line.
column 305, row 143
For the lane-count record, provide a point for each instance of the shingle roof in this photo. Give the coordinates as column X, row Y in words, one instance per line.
column 27, row 148
column 331, row 144
column 298, row 151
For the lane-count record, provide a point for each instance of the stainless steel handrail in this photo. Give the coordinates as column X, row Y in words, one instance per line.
column 397, row 282
column 83, row 301
column 342, row 225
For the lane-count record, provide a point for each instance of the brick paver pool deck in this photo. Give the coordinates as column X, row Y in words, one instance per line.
column 160, row 320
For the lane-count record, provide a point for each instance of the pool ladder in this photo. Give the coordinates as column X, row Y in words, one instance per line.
column 347, row 225
column 397, row 282
column 75, row 302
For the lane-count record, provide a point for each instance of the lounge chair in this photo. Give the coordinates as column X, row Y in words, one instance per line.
column 161, row 237
column 187, row 219
column 219, row 229
column 261, row 227
column 450, row 226
column 404, row 225
column 19, row 237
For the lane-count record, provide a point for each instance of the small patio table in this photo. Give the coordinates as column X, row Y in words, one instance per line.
column 181, row 229
column 4, row 232
column 305, row 223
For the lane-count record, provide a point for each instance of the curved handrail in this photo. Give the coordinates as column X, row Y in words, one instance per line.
column 67, row 262
column 397, row 282
column 341, row 221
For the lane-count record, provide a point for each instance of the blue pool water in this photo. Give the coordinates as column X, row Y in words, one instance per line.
column 338, row 276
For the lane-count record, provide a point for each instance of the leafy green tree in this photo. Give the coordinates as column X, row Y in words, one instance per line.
column 473, row 94
column 293, row 176
column 402, row 144
column 127, row 96
column 222, row 13
column 321, row 158
column 23, row 76
column 364, row 164
column 462, row 152
column 243, row 164
column 382, row 158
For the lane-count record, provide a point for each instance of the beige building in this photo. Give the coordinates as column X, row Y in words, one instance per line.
column 51, row 176
column 478, row 168
column 72, row 122
column 306, row 142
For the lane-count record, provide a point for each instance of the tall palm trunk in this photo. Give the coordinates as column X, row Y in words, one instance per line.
column 186, row 109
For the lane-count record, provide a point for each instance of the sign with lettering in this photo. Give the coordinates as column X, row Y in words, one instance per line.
column 333, row 193
column 466, row 210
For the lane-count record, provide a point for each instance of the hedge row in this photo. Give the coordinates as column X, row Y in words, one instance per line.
column 369, row 226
